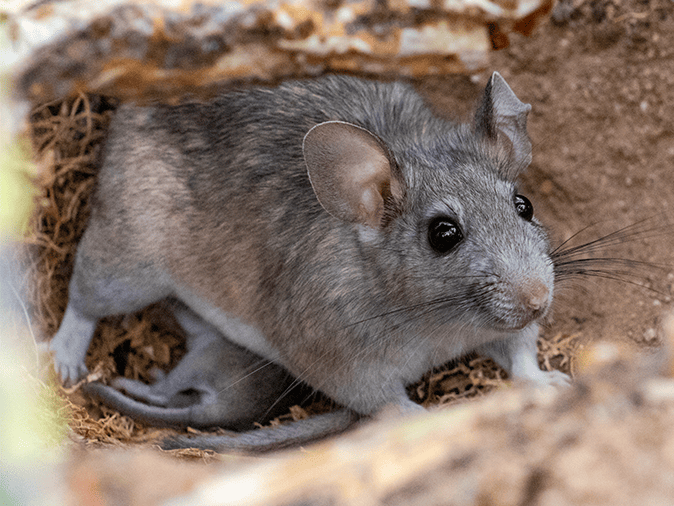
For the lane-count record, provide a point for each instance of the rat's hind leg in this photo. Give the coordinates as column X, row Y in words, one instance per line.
column 193, row 373
column 105, row 282
column 217, row 383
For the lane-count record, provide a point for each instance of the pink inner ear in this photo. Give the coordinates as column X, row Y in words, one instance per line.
column 349, row 170
column 371, row 206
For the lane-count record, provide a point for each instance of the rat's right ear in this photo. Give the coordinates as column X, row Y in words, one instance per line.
column 351, row 171
column 502, row 116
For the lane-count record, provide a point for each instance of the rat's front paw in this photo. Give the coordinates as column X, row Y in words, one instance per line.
column 70, row 344
column 557, row 378
column 548, row 378
column 69, row 368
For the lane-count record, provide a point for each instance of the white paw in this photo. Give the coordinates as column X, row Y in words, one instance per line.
column 69, row 346
column 549, row 378
column 69, row 366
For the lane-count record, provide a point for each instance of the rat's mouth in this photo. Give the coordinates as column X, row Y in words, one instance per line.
column 509, row 309
column 515, row 323
column 510, row 327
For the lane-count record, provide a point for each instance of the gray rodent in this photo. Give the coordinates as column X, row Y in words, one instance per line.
column 334, row 227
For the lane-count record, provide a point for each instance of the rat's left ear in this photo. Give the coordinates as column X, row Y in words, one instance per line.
column 502, row 117
column 351, row 171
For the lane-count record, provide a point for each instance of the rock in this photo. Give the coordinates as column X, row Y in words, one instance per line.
column 134, row 49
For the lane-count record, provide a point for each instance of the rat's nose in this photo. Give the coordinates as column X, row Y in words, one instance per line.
column 534, row 296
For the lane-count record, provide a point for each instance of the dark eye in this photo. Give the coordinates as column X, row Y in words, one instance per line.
column 444, row 234
column 524, row 207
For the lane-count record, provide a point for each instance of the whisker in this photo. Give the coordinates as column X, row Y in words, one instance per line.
column 299, row 378
column 265, row 363
column 462, row 310
column 604, row 275
column 617, row 237
column 457, row 302
column 297, row 381
column 610, row 264
column 621, row 277
column 571, row 262
column 412, row 307
column 376, row 345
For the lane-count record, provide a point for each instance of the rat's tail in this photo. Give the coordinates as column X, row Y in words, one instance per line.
column 159, row 416
column 268, row 439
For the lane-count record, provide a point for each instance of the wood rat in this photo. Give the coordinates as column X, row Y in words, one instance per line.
column 335, row 227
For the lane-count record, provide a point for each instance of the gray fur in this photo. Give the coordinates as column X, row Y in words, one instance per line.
column 217, row 383
column 276, row 438
column 212, row 204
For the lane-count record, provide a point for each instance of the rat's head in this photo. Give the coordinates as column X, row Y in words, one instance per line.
column 455, row 240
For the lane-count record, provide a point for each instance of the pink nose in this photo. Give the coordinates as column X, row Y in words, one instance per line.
column 534, row 296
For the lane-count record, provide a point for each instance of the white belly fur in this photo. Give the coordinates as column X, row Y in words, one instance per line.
column 233, row 329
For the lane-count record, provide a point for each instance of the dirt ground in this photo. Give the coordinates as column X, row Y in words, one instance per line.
column 600, row 78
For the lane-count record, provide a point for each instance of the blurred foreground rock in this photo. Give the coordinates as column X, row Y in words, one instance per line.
column 128, row 48
column 609, row 439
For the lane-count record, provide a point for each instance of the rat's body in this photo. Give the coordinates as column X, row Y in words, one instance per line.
column 405, row 245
